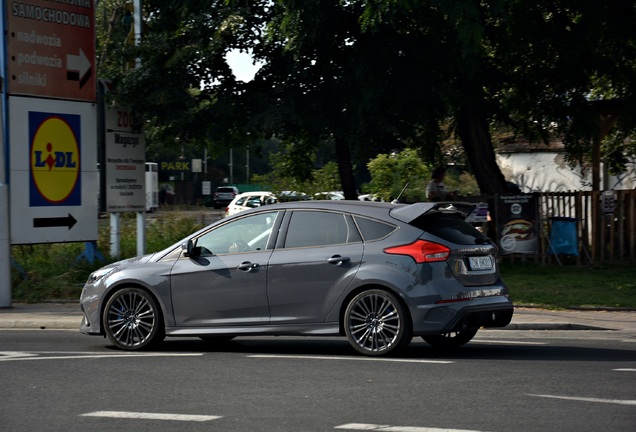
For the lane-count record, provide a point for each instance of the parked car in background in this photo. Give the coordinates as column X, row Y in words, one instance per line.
column 292, row 196
column 370, row 197
column 224, row 195
column 248, row 200
column 376, row 273
column 333, row 195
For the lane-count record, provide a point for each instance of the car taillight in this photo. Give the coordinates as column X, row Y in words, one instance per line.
column 421, row 251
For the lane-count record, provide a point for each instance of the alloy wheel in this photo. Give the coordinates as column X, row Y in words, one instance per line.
column 376, row 323
column 132, row 319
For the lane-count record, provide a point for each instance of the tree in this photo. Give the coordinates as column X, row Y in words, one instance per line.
column 399, row 174
column 374, row 76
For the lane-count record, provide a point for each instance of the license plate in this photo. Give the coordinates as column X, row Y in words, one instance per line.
column 481, row 263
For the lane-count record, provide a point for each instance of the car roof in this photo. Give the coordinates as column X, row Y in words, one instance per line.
column 369, row 208
column 402, row 212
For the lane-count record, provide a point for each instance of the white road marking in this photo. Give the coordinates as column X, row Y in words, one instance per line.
column 397, row 360
column 388, row 428
column 624, row 370
column 508, row 342
column 151, row 416
column 583, row 399
column 14, row 356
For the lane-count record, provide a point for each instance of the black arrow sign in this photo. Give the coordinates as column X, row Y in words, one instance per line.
column 68, row 221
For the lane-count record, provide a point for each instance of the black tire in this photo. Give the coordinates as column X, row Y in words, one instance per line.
column 376, row 323
column 452, row 339
column 132, row 320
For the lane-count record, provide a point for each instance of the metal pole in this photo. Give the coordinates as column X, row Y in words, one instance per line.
column 115, row 249
column 141, row 233
column 231, row 167
column 5, row 238
column 247, row 165
column 137, row 25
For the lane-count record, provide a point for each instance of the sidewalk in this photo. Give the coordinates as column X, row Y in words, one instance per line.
column 61, row 316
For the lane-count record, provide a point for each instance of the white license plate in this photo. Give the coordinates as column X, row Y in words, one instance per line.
column 481, row 263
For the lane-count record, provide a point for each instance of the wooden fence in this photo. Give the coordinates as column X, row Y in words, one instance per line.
column 605, row 223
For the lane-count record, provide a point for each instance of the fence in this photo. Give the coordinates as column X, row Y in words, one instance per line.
column 605, row 223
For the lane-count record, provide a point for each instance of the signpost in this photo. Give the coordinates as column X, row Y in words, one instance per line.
column 48, row 51
column 51, row 49
column 125, row 163
column 53, row 174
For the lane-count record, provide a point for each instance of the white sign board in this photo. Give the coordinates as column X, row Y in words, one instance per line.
column 53, row 170
column 125, row 163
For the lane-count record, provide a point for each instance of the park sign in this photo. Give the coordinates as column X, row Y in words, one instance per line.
column 51, row 49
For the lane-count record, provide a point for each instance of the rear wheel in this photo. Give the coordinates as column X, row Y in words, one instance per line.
column 376, row 323
column 132, row 319
column 451, row 339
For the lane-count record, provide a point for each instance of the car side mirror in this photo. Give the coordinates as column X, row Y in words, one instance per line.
column 189, row 250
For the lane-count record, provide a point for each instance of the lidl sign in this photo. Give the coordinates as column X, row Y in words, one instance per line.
column 54, row 159
column 53, row 170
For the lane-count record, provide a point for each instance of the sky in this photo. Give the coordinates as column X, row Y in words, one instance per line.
column 242, row 65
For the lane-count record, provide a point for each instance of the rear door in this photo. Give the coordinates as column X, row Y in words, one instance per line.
column 312, row 265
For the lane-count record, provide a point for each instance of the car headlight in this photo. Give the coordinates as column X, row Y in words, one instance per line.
column 98, row 274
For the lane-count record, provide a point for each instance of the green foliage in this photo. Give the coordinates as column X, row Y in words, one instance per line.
column 55, row 271
column 463, row 184
column 390, row 173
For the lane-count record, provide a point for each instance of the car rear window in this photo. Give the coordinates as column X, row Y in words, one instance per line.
column 225, row 189
column 450, row 227
column 373, row 229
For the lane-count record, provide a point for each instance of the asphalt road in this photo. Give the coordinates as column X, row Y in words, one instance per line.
column 502, row 381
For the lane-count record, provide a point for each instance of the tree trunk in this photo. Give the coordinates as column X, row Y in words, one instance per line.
column 472, row 128
column 345, row 168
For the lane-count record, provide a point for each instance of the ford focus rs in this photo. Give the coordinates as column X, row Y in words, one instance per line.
column 376, row 273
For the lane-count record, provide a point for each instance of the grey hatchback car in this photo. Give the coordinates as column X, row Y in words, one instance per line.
column 377, row 273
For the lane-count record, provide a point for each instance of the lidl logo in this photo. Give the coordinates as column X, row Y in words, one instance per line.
column 54, row 159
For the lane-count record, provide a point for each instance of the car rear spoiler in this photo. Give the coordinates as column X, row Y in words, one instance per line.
column 408, row 213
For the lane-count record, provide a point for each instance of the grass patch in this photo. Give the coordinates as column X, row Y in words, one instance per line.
column 552, row 286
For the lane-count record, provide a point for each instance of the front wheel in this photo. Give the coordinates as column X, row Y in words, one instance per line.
column 451, row 339
column 132, row 319
column 376, row 323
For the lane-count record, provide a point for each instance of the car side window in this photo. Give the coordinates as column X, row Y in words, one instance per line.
column 319, row 228
column 250, row 233
column 372, row 229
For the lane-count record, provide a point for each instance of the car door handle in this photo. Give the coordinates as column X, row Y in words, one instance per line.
column 247, row 266
column 338, row 260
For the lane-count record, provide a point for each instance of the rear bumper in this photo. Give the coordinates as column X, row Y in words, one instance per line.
column 456, row 317
column 482, row 318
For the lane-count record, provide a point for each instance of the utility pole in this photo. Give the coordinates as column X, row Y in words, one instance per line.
column 5, row 240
